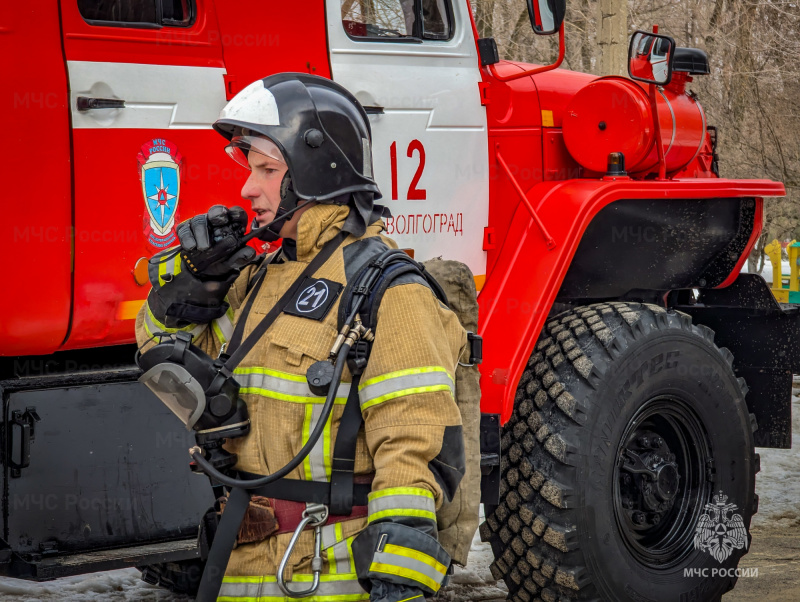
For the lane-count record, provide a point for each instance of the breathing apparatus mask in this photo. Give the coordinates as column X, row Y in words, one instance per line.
column 197, row 390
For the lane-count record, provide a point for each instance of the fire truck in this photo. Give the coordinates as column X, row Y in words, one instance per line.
column 629, row 367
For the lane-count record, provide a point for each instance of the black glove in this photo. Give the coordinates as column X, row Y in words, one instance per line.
column 211, row 243
column 382, row 591
column 179, row 298
column 187, row 299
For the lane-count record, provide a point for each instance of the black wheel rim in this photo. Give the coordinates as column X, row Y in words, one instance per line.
column 660, row 481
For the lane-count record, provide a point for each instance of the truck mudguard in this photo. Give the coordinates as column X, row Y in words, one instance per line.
column 523, row 285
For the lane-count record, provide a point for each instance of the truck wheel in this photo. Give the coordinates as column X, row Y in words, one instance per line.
column 181, row 577
column 628, row 424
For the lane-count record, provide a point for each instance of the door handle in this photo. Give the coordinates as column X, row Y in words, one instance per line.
column 87, row 104
column 373, row 110
column 22, row 433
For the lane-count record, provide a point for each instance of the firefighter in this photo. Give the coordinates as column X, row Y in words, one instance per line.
column 306, row 142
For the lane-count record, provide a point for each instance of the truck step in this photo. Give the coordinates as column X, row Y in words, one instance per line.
column 106, row 560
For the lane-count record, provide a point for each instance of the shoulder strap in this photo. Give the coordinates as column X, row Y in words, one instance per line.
column 224, row 540
column 252, row 292
column 239, row 499
column 375, row 277
column 239, row 351
column 343, row 463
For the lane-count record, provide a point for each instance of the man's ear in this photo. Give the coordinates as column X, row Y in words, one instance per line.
column 288, row 198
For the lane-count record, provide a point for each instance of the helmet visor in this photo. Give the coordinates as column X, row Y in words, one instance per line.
column 241, row 146
column 178, row 390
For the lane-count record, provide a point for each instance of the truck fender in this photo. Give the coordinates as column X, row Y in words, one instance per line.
column 522, row 286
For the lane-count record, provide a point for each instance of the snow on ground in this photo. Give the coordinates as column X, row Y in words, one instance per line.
column 475, row 582
column 778, row 487
column 778, row 483
column 113, row 586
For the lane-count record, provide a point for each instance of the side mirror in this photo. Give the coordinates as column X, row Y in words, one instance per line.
column 650, row 57
column 546, row 15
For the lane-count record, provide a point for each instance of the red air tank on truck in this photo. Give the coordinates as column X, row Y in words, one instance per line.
column 629, row 368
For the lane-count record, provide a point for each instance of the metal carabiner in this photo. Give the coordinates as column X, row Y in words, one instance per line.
column 314, row 515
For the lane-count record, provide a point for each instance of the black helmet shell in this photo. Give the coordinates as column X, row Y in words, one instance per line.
column 321, row 129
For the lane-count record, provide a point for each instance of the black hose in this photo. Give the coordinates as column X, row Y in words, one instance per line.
column 212, row 472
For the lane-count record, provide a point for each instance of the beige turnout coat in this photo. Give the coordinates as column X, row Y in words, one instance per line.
column 406, row 395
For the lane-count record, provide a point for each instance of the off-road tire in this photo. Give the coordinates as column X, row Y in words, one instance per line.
column 181, row 577
column 556, row 534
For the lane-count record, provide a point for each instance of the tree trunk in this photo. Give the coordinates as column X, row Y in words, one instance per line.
column 612, row 37
column 743, row 75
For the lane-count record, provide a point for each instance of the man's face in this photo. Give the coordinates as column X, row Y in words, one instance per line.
column 263, row 186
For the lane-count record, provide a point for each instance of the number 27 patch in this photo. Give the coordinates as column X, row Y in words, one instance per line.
column 314, row 299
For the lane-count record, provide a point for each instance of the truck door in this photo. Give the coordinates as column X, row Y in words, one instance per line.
column 414, row 65
column 36, row 191
column 146, row 82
